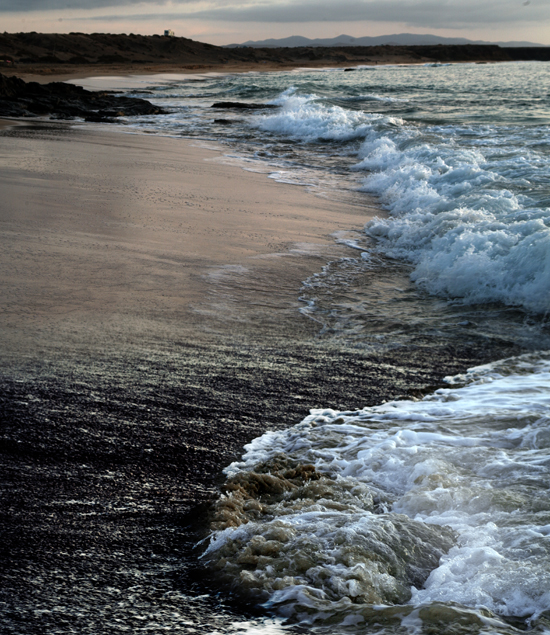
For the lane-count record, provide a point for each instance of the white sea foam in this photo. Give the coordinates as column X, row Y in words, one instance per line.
column 456, row 216
column 475, row 459
column 467, row 205
column 306, row 118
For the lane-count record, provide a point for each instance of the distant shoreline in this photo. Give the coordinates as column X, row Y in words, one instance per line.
column 76, row 55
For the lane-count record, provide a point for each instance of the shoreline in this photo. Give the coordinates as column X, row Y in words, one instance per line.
column 62, row 73
column 47, row 57
column 219, row 220
column 142, row 350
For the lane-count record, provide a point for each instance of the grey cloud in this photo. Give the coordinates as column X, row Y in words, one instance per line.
column 59, row 5
column 138, row 17
column 417, row 13
column 21, row 6
column 428, row 13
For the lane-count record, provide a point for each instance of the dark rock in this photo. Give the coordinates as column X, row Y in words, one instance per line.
column 238, row 105
column 22, row 99
column 97, row 118
column 10, row 87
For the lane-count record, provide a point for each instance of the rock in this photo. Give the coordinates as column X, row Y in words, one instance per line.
column 24, row 99
column 240, row 105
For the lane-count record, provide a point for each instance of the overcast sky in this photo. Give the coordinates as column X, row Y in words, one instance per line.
column 228, row 21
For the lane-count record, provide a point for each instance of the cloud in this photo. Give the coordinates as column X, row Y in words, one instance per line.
column 416, row 13
column 20, row 6
column 423, row 13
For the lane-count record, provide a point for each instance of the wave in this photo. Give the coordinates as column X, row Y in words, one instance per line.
column 399, row 510
column 468, row 205
column 306, row 118
column 463, row 223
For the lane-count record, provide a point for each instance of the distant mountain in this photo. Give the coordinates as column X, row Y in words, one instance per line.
column 401, row 39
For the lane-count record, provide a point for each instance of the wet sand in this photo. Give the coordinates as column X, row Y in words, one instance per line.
column 109, row 235
column 150, row 327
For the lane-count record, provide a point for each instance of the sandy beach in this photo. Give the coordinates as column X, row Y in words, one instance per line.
column 150, row 327
column 105, row 233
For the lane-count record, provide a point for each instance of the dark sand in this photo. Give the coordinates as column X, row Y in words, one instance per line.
column 150, row 327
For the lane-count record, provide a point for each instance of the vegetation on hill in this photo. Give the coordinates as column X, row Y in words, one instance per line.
column 39, row 51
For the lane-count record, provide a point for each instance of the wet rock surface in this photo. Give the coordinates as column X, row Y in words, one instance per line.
column 65, row 101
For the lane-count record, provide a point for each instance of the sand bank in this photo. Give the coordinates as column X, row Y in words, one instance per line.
column 48, row 73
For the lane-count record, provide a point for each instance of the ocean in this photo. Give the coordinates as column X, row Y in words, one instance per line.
column 426, row 515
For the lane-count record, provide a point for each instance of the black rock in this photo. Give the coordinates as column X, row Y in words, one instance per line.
column 64, row 101
column 240, row 105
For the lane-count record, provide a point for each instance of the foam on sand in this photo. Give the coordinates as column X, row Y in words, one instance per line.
column 410, row 504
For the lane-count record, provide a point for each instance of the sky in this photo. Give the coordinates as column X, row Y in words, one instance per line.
column 235, row 21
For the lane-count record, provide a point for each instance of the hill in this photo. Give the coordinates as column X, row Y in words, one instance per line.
column 72, row 53
column 400, row 39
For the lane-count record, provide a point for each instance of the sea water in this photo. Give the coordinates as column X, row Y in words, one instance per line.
column 412, row 516
column 458, row 156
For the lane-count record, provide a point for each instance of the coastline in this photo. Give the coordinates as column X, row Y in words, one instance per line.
column 143, row 349
column 82, row 56
column 47, row 74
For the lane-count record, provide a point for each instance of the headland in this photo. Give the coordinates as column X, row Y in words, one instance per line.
column 50, row 55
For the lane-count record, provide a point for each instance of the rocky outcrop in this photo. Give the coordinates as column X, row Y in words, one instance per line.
column 65, row 101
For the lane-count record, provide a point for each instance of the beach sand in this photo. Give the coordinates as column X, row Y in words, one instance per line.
column 150, row 327
column 46, row 73
column 110, row 235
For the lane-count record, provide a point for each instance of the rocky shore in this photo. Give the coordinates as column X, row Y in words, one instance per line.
column 65, row 101
column 39, row 56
